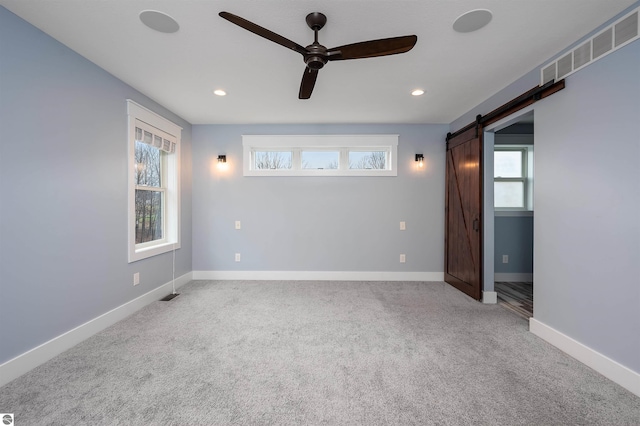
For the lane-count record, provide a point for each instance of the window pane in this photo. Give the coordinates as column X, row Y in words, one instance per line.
column 368, row 160
column 320, row 159
column 148, row 165
column 508, row 194
column 148, row 215
column 507, row 164
column 273, row 160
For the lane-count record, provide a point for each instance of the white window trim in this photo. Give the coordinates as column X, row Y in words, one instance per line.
column 171, row 214
column 527, row 179
column 298, row 143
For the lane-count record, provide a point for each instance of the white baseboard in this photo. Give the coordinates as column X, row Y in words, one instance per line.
column 609, row 368
column 318, row 275
column 489, row 297
column 29, row 360
column 519, row 277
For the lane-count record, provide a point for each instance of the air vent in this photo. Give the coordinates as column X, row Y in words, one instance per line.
column 620, row 33
column 565, row 65
column 602, row 43
column 627, row 29
column 582, row 55
column 549, row 73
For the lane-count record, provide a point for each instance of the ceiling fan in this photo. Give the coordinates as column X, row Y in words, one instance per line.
column 316, row 55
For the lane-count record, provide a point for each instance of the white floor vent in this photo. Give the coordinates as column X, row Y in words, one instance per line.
column 620, row 33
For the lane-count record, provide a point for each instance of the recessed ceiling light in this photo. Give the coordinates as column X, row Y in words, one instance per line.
column 219, row 92
column 472, row 20
column 418, row 92
column 159, row 21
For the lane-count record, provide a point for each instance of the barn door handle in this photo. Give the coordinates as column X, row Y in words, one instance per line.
column 476, row 224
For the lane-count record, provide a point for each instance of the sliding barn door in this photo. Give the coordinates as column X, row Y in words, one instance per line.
column 463, row 236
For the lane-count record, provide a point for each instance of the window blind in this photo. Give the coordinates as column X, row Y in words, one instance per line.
column 157, row 138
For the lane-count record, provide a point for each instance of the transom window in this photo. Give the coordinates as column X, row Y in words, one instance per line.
column 272, row 160
column 320, row 160
column 323, row 155
column 368, row 160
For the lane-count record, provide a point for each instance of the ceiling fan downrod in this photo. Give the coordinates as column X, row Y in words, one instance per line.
column 317, row 55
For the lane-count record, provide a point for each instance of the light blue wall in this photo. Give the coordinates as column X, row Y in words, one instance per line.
column 514, row 237
column 318, row 223
column 63, row 180
column 587, row 198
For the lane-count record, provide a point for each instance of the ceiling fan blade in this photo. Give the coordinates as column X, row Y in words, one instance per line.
column 308, row 81
column 263, row 32
column 373, row 48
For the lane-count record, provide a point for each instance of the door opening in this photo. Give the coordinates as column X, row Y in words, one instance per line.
column 509, row 178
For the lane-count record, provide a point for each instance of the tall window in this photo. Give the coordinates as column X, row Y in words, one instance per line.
column 153, row 183
column 511, row 187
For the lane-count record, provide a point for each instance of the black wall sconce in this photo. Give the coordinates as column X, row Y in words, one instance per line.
column 420, row 160
column 222, row 162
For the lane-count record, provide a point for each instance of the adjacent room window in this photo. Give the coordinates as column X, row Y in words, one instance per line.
column 512, row 178
column 320, row 155
column 154, row 158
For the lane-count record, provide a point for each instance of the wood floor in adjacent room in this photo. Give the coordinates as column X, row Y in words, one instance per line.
column 517, row 297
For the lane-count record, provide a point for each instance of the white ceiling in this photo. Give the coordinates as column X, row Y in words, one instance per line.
column 180, row 70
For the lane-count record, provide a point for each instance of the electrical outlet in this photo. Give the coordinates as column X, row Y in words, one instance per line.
column 505, row 258
column 238, row 225
column 136, row 278
column 403, row 226
column 403, row 258
column 237, row 257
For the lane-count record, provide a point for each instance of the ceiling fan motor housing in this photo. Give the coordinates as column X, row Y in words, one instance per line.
column 317, row 56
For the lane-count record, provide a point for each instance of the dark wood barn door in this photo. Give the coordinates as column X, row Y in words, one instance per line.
column 463, row 236
column 463, row 203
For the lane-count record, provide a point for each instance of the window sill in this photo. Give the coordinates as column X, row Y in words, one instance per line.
column 147, row 252
column 320, row 172
column 513, row 213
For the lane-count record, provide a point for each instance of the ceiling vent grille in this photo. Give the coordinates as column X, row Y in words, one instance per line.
column 602, row 43
column 582, row 55
column 627, row 29
column 620, row 33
